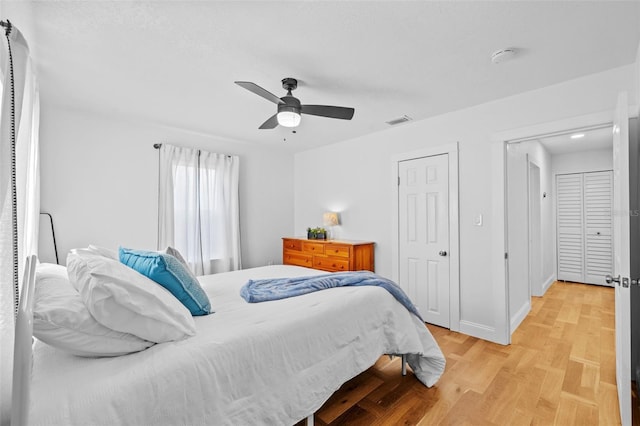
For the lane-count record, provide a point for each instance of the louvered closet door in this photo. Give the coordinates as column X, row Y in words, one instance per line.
column 570, row 225
column 584, row 220
column 598, row 224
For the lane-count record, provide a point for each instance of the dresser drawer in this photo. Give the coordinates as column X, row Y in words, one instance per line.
column 299, row 259
column 314, row 248
column 341, row 250
column 328, row 255
column 330, row 263
column 292, row 245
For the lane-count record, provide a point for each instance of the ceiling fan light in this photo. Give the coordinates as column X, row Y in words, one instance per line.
column 288, row 118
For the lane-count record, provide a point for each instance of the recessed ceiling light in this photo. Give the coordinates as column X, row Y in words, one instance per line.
column 577, row 136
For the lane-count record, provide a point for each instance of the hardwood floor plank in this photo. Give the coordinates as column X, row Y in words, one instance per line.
column 559, row 369
column 348, row 396
column 566, row 412
column 467, row 409
column 608, row 413
column 531, row 391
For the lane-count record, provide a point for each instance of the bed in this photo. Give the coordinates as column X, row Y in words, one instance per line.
column 269, row 363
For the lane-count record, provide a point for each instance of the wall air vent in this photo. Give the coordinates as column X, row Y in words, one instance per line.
column 399, row 120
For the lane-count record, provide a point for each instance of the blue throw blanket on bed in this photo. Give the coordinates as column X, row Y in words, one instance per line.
column 280, row 288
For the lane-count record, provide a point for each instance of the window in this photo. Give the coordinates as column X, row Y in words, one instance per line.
column 199, row 212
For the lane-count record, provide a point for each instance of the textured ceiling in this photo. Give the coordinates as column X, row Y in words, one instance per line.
column 593, row 139
column 174, row 62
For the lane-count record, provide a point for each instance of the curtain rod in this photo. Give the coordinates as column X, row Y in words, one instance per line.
column 6, row 24
column 158, row 145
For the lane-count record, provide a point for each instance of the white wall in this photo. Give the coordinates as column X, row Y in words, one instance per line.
column 520, row 287
column 100, row 182
column 355, row 176
column 582, row 161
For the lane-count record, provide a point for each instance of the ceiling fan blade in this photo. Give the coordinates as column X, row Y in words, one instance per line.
column 271, row 123
column 342, row 113
column 252, row 87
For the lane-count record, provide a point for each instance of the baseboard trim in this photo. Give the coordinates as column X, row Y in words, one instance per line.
column 522, row 313
column 547, row 283
column 478, row 330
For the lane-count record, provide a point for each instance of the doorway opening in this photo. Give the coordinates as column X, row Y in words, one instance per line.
column 538, row 241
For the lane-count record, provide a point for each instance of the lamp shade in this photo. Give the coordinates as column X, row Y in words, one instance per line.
column 330, row 219
column 288, row 118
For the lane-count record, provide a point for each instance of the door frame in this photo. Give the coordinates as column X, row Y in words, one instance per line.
column 535, row 227
column 499, row 198
column 523, row 310
column 454, row 227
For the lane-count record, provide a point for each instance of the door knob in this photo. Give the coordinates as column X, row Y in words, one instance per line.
column 609, row 279
column 442, row 253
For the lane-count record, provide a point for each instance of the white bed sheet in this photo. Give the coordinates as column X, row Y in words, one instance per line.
column 270, row 363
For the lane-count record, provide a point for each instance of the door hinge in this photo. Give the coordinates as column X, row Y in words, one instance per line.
column 506, row 256
column 398, row 180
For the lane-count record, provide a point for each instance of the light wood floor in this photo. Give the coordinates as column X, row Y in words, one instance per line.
column 559, row 369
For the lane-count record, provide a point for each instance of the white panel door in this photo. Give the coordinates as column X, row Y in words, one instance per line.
column 424, row 235
column 598, row 248
column 569, row 227
column 622, row 256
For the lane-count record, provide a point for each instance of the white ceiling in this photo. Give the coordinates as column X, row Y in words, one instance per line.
column 594, row 139
column 175, row 62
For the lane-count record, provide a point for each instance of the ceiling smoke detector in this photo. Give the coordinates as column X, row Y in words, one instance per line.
column 502, row 55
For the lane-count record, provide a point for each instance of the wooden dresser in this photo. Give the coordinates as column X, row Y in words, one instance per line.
column 328, row 255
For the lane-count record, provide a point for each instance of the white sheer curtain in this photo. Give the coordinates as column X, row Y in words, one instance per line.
column 27, row 179
column 198, row 211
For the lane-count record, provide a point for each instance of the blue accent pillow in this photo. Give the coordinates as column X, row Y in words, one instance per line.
column 167, row 271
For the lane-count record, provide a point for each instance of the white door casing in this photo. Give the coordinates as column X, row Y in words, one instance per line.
column 622, row 260
column 535, row 230
column 424, row 235
column 518, row 234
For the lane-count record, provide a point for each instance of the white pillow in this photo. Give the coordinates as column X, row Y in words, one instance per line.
column 124, row 300
column 61, row 319
column 111, row 254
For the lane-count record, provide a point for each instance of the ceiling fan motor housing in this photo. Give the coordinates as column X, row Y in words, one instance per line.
column 290, row 104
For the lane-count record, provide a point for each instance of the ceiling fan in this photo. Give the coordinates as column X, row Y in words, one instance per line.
column 289, row 107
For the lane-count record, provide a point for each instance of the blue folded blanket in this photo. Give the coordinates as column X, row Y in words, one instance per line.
column 280, row 288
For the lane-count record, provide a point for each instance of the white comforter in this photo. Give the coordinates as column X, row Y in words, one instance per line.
column 270, row 363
